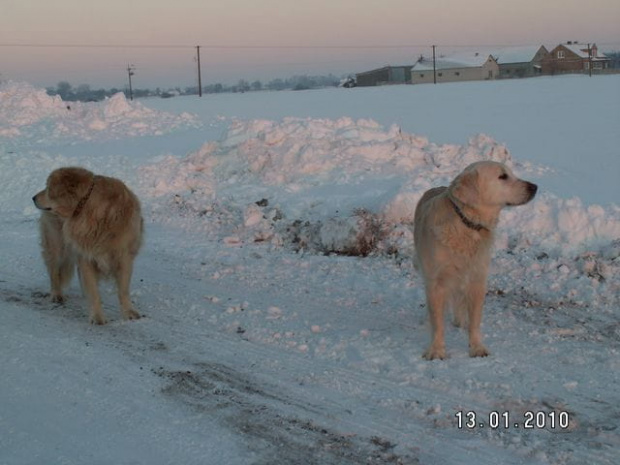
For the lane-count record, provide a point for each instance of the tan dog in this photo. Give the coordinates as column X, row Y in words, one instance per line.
column 453, row 234
column 94, row 221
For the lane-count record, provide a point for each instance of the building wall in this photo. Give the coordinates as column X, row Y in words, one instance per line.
column 524, row 69
column 541, row 54
column 400, row 74
column 515, row 70
column 570, row 63
column 490, row 70
column 372, row 78
column 519, row 70
column 383, row 76
column 573, row 63
column 447, row 75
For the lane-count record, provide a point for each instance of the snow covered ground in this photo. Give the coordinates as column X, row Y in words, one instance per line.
column 284, row 322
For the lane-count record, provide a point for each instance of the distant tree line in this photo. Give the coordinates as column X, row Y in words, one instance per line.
column 84, row 93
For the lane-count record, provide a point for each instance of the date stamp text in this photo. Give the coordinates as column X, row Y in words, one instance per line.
column 529, row 420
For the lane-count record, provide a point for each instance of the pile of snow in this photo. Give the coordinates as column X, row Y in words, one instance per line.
column 33, row 115
column 348, row 186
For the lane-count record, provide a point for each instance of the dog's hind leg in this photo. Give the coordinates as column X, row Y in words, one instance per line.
column 436, row 302
column 123, row 280
column 89, row 277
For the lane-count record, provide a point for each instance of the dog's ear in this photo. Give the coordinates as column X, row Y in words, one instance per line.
column 64, row 183
column 465, row 187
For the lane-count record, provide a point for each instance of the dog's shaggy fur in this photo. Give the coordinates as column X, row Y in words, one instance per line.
column 453, row 235
column 95, row 222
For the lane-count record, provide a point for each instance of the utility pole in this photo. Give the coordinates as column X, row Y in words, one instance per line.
column 434, row 67
column 590, row 60
column 130, row 72
column 199, row 76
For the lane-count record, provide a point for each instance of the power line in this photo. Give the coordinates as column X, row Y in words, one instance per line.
column 223, row 47
column 276, row 47
column 35, row 45
column 266, row 46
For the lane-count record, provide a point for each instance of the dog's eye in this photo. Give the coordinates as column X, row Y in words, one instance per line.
column 503, row 177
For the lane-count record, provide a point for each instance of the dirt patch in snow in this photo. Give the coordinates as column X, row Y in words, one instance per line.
column 267, row 419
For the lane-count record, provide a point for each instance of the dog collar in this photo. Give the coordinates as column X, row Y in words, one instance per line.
column 83, row 200
column 466, row 221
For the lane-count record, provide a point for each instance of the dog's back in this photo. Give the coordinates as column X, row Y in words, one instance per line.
column 423, row 211
column 111, row 225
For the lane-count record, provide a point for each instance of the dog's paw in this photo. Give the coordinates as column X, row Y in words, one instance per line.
column 131, row 315
column 97, row 320
column 58, row 299
column 433, row 353
column 478, row 350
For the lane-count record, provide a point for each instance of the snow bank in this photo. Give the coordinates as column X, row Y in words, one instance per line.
column 348, row 186
column 34, row 116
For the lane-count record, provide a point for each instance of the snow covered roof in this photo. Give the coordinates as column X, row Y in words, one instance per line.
column 382, row 69
column 581, row 50
column 506, row 55
column 462, row 60
column 515, row 54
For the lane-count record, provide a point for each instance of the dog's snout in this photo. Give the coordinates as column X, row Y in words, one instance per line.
column 36, row 204
column 532, row 188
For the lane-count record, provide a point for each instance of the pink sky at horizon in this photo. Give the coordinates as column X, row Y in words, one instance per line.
column 316, row 23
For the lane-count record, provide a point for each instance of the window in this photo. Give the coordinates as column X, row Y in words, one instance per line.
column 439, row 74
column 560, row 54
column 421, row 76
column 456, row 73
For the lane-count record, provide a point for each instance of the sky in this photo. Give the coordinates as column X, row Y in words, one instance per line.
column 90, row 42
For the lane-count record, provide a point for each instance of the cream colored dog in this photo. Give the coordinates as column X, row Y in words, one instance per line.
column 453, row 234
column 94, row 221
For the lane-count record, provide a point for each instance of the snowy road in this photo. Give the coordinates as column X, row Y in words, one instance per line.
column 240, row 393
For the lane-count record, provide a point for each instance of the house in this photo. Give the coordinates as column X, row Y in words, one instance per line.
column 472, row 66
column 573, row 57
column 520, row 62
column 385, row 75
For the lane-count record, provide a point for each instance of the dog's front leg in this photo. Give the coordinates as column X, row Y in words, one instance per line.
column 57, row 255
column 475, row 301
column 436, row 301
column 60, row 273
column 90, row 286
